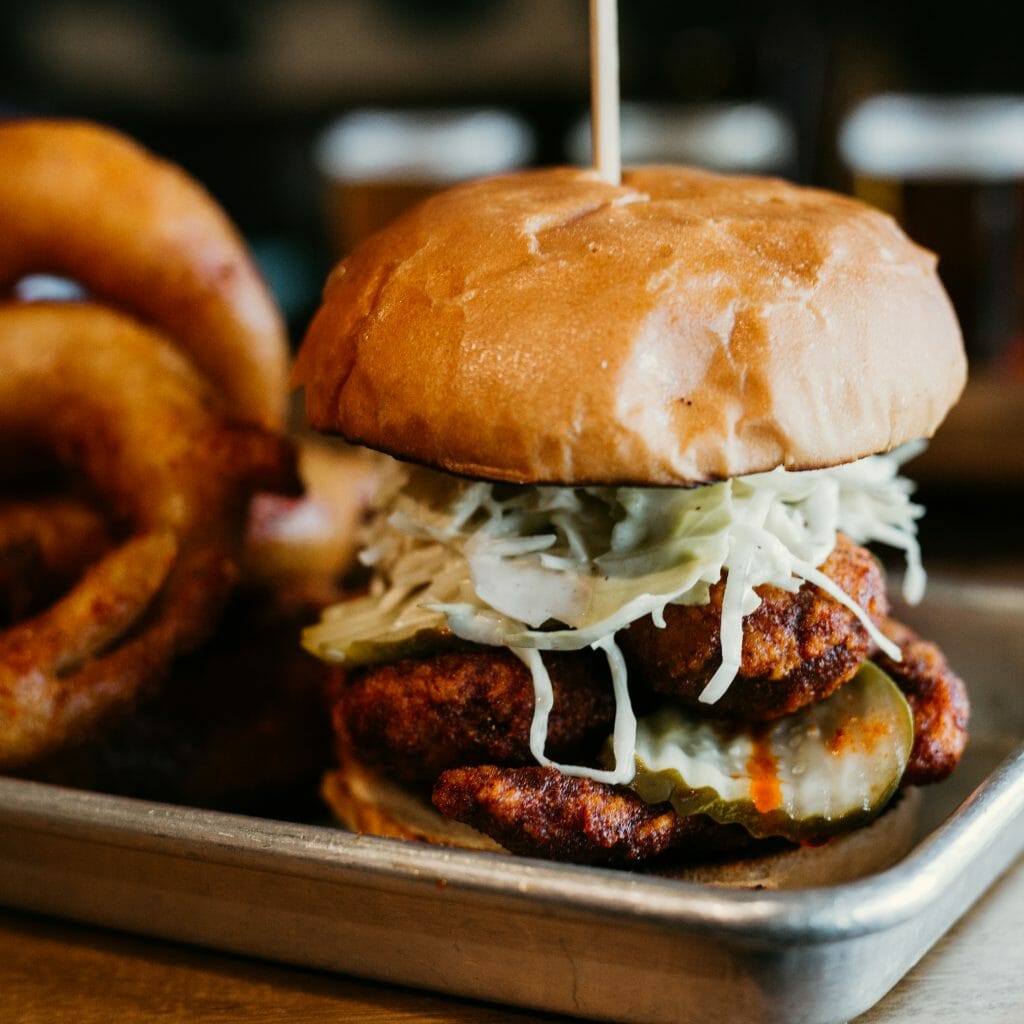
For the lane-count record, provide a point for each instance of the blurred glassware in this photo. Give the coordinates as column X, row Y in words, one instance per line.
column 375, row 163
column 735, row 137
column 951, row 170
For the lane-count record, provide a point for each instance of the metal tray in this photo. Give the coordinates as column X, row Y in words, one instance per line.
column 580, row 941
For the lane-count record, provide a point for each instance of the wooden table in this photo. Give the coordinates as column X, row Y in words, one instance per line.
column 52, row 971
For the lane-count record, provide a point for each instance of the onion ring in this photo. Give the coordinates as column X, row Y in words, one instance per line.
column 46, row 543
column 87, row 203
column 107, row 397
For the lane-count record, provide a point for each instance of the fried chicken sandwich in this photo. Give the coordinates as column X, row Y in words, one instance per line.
column 620, row 610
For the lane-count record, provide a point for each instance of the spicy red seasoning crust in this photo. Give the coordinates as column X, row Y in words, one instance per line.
column 797, row 648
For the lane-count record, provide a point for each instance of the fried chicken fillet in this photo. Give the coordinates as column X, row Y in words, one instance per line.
column 459, row 721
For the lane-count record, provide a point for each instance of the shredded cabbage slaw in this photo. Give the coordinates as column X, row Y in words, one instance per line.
column 563, row 568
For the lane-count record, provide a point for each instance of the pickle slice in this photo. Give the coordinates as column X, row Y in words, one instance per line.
column 825, row 769
column 358, row 632
column 396, row 647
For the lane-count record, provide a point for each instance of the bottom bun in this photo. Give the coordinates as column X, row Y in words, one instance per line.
column 367, row 803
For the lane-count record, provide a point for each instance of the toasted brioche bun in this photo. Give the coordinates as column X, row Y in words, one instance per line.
column 372, row 805
column 548, row 327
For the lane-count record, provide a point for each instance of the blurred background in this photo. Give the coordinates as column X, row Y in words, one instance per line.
column 265, row 102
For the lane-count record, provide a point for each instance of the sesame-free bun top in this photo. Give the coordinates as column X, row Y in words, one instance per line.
column 548, row 327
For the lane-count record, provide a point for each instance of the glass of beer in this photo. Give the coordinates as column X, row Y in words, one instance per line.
column 375, row 163
column 752, row 138
column 951, row 171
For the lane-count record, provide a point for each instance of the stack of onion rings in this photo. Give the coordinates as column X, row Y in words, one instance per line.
column 109, row 399
column 84, row 202
column 46, row 543
column 170, row 452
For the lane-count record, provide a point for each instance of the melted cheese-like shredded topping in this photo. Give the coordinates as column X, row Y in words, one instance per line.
column 564, row 568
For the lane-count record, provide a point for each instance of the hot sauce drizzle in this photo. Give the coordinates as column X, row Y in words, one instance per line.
column 765, row 788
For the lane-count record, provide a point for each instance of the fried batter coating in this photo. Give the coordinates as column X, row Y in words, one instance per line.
column 46, row 543
column 797, row 648
column 84, row 202
column 239, row 724
column 415, row 718
column 938, row 698
column 540, row 812
column 114, row 406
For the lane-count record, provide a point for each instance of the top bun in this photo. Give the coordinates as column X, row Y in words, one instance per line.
column 682, row 327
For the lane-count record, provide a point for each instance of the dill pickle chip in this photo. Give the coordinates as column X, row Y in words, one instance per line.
column 420, row 644
column 825, row 769
column 358, row 632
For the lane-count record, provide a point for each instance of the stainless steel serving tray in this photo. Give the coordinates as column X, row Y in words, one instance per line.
column 579, row 941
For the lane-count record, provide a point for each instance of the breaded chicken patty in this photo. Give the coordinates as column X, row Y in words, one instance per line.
column 538, row 811
column 797, row 647
column 938, row 699
column 413, row 719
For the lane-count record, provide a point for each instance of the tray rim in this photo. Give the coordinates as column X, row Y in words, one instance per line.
column 839, row 912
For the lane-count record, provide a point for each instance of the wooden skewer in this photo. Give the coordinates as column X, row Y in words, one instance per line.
column 604, row 89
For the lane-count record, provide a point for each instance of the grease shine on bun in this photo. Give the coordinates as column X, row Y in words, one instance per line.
column 683, row 327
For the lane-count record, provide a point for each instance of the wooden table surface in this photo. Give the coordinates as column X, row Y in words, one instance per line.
column 53, row 972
